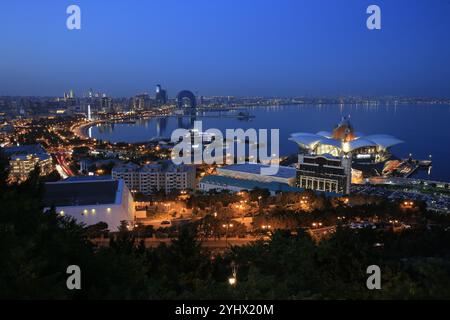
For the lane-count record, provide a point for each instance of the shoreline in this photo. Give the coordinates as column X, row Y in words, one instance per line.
column 82, row 130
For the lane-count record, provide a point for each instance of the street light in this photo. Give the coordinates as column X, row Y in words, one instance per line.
column 304, row 200
column 233, row 279
column 227, row 227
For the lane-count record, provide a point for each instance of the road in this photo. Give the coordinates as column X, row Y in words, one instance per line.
column 217, row 245
column 61, row 161
column 209, row 243
column 322, row 232
column 157, row 223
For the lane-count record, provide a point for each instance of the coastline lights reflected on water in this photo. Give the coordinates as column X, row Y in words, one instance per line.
column 423, row 128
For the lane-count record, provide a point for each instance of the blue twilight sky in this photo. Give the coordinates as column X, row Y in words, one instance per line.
column 226, row 47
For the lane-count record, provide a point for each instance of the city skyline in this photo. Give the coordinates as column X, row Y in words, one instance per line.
column 283, row 48
column 184, row 152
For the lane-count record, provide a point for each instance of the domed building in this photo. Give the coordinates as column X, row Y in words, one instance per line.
column 345, row 141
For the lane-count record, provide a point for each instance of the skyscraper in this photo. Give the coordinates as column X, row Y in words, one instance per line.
column 161, row 95
column 89, row 112
column 141, row 102
column 70, row 101
column 106, row 103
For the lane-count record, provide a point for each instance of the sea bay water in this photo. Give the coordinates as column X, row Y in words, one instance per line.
column 425, row 129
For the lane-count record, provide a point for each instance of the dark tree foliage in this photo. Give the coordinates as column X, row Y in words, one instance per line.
column 3, row 169
column 36, row 248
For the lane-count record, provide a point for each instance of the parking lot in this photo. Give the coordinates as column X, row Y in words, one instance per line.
column 435, row 202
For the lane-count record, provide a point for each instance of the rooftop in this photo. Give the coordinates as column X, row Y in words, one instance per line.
column 325, row 155
column 21, row 152
column 154, row 167
column 343, row 138
column 25, row 149
column 251, row 184
column 81, row 193
column 255, row 168
column 88, row 178
column 309, row 141
column 129, row 167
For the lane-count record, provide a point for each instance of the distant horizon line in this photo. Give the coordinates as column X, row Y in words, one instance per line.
column 337, row 97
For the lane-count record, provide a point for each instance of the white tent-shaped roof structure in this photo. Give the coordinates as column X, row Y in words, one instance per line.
column 310, row 141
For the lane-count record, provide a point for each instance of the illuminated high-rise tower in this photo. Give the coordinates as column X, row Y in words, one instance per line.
column 89, row 113
column 161, row 95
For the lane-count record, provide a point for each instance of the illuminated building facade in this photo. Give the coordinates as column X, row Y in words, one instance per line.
column 324, row 173
column 91, row 201
column 152, row 178
column 344, row 140
column 240, row 177
column 24, row 159
column 89, row 113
